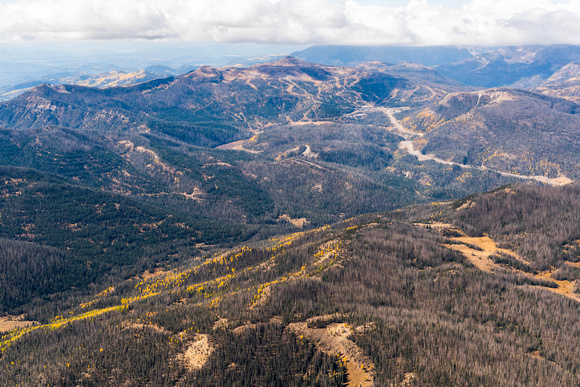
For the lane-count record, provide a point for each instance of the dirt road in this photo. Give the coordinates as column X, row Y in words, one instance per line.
column 410, row 148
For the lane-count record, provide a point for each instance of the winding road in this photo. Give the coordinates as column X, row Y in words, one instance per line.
column 410, row 148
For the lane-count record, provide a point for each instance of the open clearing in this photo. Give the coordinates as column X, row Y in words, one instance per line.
column 239, row 145
column 198, row 352
column 481, row 259
column 9, row 323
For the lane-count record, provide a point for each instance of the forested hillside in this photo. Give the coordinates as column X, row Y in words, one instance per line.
column 502, row 129
column 385, row 299
column 279, row 92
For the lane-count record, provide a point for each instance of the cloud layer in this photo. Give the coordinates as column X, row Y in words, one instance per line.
column 481, row 22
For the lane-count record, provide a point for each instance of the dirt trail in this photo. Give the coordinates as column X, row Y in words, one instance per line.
column 307, row 163
column 405, row 133
column 333, row 340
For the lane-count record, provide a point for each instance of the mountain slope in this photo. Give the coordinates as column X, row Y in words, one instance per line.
column 483, row 67
column 510, row 65
column 156, row 148
column 280, row 92
column 110, row 79
column 503, row 129
column 396, row 296
column 565, row 83
column 58, row 237
column 176, row 232
column 147, row 140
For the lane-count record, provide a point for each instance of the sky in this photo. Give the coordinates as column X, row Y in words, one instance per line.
column 295, row 22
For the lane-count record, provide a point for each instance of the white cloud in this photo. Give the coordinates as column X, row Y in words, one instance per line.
column 420, row 22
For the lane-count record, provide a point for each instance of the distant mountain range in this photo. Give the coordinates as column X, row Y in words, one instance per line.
column 563, row 83
column 103, row 80
column 518, row 66
column 250, row 98
column 212, row 106
column 525, row 66
column 355, row 55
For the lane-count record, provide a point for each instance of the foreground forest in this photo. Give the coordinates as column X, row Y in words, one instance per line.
column 391, row 298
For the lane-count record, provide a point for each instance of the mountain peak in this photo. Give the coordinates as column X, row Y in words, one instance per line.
column 206, row 70
column 287, row 61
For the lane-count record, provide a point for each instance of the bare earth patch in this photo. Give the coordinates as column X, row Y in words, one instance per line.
column 196, row 195
column 482, row 261
column 131, row 325
column 409, row 378
column 481, row 258
column 243, row 328
column 565, row 288
column 9, row 323
column 333, row 340
column 197, row 353
column 220, row 324
column 239, row 145
column 300, row 223
column 156, row 272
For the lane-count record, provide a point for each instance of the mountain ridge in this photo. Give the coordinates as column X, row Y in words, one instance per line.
column 508, row 129
column 365, row 85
